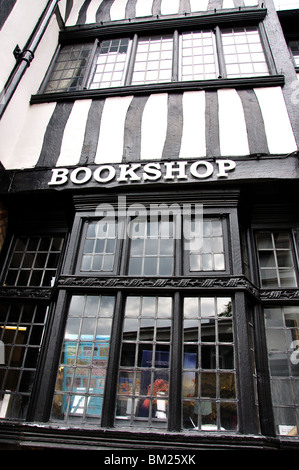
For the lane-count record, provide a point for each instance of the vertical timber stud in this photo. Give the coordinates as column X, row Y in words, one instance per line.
column 50, row 359
column 247, row 411
column 112, row 369
column 263, row 379
column 174, row 418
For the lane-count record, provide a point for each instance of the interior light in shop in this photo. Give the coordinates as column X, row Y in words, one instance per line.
column 20, row 328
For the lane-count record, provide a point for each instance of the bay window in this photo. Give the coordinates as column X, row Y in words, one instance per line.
column 180, row 56
column 143, row 348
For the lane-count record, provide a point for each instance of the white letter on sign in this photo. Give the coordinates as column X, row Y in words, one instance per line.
column 59, row 176
column 208, row 169
column 225, row 166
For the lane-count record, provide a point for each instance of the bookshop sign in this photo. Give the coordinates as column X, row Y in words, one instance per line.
column 138, row 172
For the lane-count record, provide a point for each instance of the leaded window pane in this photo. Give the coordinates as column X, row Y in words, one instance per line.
column 152, row 247
column 209, row 375
column 282, row 333
column 153, row 61
column 69, row 68
column 34, row 261
column 21, row 334
column 109, row 64
column 198, row 61
column 144, row 374
column 100, row 246
column 205, row 252
column 276, row 261
column 243, row 52
column 82, row 371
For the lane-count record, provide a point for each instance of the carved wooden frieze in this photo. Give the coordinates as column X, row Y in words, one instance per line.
column 285, row 294
column 26, row 293
column 167, row 282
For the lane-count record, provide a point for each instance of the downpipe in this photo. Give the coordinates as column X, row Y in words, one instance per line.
column 25, row 57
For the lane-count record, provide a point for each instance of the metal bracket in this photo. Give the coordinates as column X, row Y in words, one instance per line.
column 26, row 55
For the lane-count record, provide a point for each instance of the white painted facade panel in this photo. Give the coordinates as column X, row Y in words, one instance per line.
column 74, row 134
column 198, row 5
column 72, row 19
column 278, row 128
column 29, row 144
column 232, row 126
column 118, row 10
column 154, row 127
column 143, row 8
column 92, row 10
column 170, row 7
column 111, row 137
column 193, row 143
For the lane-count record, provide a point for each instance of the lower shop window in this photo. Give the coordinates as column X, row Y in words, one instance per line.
column 144, row 376
column 148, row 354
column 282, row 331
column 34, row 261
column 82, row 370
column 209, row 379
column 21, row 332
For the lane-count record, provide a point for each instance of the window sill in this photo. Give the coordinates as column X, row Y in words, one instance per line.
column 45, row 436
column 170, row 87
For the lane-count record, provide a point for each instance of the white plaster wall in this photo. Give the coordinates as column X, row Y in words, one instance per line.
column 170, row 7
column 91, row 11
column 73, row 16
column 278, row 128
column 17, row 30
column 62, row 8
column 199, row 5
column 73, row 135
column 193, row 143
column 19, row 139
column 143, row 8
column 232, row 126
column 111, row 137
column 118, row 10
column 228, row 4
column 154, row 127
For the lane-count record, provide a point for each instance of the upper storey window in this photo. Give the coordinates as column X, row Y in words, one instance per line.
column 109, row 63
column 243, row 53
column 153, row 60
column 192, row 55
column 69, row 68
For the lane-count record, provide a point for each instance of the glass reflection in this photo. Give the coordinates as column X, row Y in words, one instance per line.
column 208, row 352
column 207, row 252
column 79, row 389
column 152, row 248
column 143, row 383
